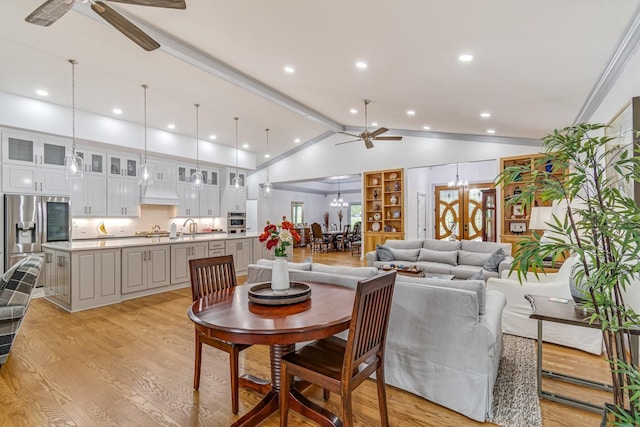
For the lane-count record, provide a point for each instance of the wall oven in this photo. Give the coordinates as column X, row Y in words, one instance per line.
column 236, row 222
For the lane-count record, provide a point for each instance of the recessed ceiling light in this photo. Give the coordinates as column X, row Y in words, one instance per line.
column 361, row 65
column 42, row 92
column 491, row 131
column 266, row 156
column 245, row 145
column 289, row 69
column 212, row 137
column 426, row 127
column 411, row 112
column 171, row 126
column 117, row 111
column 465, row 57
column 296, row 140
column 353, row 111
column 485, row 115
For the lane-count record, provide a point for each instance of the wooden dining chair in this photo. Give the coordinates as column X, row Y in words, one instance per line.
column 340, row 366
column 319, row 242
column 209, row 275
column 344, row 240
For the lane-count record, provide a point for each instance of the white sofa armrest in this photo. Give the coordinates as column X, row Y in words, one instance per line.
column 371, row 257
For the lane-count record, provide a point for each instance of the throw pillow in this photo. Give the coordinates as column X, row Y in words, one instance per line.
column 405, row 254
column 494, row 260
column 477, row 276
column 384, row 253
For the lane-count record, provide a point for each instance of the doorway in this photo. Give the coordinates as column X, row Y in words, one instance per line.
column 458, row 211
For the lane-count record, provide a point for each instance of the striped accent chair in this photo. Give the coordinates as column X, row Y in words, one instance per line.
column 15, row 293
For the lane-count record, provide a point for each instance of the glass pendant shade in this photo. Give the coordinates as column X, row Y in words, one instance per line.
column 236, row 183
column 267, row 187
column 73, row 164
column 197, row 178
column 145, row 176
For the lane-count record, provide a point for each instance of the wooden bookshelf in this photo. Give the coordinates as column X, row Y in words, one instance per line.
column 384, row 207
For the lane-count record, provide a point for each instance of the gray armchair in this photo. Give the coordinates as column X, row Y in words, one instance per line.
column 15, row 294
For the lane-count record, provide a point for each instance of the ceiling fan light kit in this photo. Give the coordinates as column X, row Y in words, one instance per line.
column 52, row 10
column 369, row 137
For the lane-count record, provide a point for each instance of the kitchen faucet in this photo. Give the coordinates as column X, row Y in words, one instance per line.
column 193, row 227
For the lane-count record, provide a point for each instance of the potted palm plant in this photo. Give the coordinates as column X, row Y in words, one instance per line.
column 599, row 222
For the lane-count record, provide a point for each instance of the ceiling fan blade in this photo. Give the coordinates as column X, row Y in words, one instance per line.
column 347, row 142
column 368, row 143
column 378, row 132
column 49, row 12
column 388, row 138
column 171, row 4
column 350, row 134
column 124, row 26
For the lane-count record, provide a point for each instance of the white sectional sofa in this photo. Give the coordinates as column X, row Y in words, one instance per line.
column 444, row 336
column 461, row 258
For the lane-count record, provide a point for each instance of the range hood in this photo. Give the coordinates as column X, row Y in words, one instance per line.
column 158, row 193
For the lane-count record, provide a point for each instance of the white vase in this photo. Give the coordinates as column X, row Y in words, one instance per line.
column 280, row 275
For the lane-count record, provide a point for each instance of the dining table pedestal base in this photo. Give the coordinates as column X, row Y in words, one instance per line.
column 270, row 402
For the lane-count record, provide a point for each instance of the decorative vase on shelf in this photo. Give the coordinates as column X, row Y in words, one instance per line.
column 280, row 275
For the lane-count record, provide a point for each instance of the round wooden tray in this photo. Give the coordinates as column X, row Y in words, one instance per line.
column 263, row 294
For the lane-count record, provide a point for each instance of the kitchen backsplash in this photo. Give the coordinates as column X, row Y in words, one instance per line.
column 150, row 215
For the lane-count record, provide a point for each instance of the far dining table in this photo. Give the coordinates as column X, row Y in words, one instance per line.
column 230, row 316
column 333, row 237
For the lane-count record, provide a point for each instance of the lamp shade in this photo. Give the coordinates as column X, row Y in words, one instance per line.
column 541, row 216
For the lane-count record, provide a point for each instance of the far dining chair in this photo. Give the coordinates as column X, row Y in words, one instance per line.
column 340, row 366
column 210, row 275
column 319, row 241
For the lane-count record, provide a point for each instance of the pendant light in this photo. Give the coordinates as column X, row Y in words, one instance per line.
column 236, row 183
column 457, row 183
column 73, row 163
column 267, row 185
column 338, row 202
column 196, row 178
column 145, row 177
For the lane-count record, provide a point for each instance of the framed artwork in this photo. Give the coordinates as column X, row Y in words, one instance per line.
column 518, row 227
column 621, row 127
column 518, row 210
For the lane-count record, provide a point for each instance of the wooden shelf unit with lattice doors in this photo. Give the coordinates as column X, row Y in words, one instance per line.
column 384, row 200
column 515, row 220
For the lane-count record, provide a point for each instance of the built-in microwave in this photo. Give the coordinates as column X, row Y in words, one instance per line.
column 236, row 222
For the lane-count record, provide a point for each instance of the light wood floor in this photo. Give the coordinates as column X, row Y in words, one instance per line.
column 131, row 364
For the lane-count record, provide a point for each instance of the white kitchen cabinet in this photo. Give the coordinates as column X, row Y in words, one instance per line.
column 237, row 200
column 34, row 180
column 94, row 162
column 58, row 277
column 210, row 175
column 34, row 150
column 121, row 165
column 217, row 248
column 95, row 278
column 209, row 201
column 242, row 251
column 163, row 170
column 181, row 253
column 145, row 267
column 123, row 197
column 187, row 201
column 184, row 172
column 89, row 196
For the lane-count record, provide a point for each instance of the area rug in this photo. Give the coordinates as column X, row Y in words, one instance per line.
column 515, row 396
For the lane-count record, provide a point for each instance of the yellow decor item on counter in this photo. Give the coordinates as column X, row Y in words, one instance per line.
column 101, row 228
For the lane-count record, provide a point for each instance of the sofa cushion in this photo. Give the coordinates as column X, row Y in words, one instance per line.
column 472, row 258
column 478, row 275
column 494, row 260
column 405, row 254
column 304, row 266
column 476, row 286
column 486, row 247
column 403, row 244
column 383, row 253
column 348, row 271
column 441, row 245
column 445, row 257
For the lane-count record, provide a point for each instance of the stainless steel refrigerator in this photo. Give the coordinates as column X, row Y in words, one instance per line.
column 30, row 221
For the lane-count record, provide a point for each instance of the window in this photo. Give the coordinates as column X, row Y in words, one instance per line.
column 355, row 213
column 297, row 213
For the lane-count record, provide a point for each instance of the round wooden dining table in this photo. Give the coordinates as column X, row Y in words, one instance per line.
column 230, row 316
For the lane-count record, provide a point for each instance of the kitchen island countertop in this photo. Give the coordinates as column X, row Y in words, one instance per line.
column 115, row 243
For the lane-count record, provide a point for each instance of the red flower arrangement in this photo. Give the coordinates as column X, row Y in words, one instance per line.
column 279, row 237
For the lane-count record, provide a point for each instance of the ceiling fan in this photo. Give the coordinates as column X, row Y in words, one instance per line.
column 52, row 10
column 369, row 137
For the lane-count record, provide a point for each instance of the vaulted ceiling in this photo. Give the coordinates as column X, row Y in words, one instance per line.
column 535, row 64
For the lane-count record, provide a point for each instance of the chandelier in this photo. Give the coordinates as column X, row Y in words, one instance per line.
column 338, row 202
column 458, row 183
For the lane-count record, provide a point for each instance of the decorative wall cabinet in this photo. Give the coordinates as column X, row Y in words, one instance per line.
column 384, row 207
